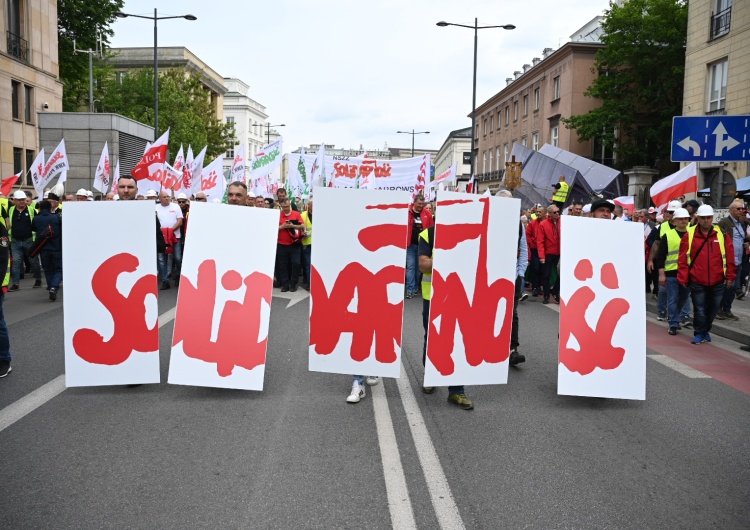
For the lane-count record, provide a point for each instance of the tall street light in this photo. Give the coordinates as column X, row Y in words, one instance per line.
column 155, row 18
column 476, row 28
column 268, row 131
column 412, row 137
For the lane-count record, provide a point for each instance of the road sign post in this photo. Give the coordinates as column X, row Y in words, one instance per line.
column 710, row 138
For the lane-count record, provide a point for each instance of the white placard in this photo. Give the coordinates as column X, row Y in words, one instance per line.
column 357, row 284
column 224, row 303
column 473, row 281
column 109, row 259
column 602, row 310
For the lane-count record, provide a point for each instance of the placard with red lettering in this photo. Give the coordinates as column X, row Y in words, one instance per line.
column 109, row 259
column 473, row 286
column 357, row 281
column 602, row 310
column 224, row 303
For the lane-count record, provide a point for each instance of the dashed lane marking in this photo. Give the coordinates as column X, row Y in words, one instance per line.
column 677, row 366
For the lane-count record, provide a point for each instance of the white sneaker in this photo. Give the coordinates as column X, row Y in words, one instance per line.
column 358, row 392
column 372, row 380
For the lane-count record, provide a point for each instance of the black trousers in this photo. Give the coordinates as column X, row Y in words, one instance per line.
column 514, row 328
column 535, row 273
column 288, row 263
column 550, row 264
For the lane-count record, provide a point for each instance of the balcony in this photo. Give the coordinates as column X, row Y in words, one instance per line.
column 18, row 47
column 720, row 23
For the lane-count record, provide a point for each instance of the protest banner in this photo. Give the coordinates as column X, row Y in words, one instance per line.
column 212, row 182
column 602, row 310
column 149, row 171
column 225, row 292
column 239, row 165
column 102, row 177
column 473, row 285
column 56, row 165
column 357, row 281
column 266, row 160
column 110, row 313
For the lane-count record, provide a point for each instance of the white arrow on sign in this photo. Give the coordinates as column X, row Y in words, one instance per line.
column 721, row 144
column 687, row 144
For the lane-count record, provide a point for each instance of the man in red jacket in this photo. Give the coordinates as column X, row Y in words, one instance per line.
column 705, row 265
column 535, row 276
column 548, row 248
column 419, row 219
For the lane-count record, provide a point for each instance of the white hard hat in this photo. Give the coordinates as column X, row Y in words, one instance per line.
column 673, row 205
column 151, row 193
column 89, row 193
column 586, row 208
column 116, row 198
column 682, row 213
column 704, row 210
column 251, row 194
column 18, row 194
column 181, row 196
column 82, row 192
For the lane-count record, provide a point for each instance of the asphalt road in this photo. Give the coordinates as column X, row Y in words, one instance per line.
column 298, row 456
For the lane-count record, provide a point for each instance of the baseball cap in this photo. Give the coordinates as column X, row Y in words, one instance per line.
column 704, row 210
column 673, row 205
column 681, row 213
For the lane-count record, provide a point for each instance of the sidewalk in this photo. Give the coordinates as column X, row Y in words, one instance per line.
column 736, row 330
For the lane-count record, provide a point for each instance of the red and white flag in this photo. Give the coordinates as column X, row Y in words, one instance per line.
column 170, row 179
column 446, row 177
column 187, row 172
column 675, row 185
column 470, row 185
column 198, row 170
column 239, row 165
column 627, row 202
column 148, row 172
column 102, row 176
column 213, row 183
column 9, row 182
column 36, row 172
column 56, row 165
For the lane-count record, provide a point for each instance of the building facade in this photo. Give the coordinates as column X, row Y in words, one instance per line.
column 29, row 80
column 456, row 149
column 248, row 117
column 530, row 107
column 717, row 79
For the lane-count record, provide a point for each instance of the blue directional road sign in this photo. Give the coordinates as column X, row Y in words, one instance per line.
column 710, row 138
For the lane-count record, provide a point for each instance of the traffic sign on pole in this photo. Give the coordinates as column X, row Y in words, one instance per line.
column 710, row 138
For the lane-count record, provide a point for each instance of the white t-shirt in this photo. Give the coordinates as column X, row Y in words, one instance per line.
column 168, row 216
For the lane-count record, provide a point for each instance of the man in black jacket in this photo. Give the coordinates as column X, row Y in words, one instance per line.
column 127, row 190
column 5, row 356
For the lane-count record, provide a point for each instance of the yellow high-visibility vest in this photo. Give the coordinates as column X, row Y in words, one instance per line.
column 562, row 194
column 719, row 237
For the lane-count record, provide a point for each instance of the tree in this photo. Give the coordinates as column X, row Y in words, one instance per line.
column 640, row 83
column 82, row 21
column 184, row 107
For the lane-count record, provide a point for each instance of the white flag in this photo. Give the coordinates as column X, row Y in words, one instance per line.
column 56, row 165
column 212, row 182
column 239, row 165
column 179, row 160
column 198, row 170
column 446, row 177
column 186, row 183
column 267, row 159
column 102, row 177
column 317, row 173
column 36, row 172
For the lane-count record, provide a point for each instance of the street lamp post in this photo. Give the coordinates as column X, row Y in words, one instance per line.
column 412, row 137
column 476, row 29
column 155, row 18
column 268, row 131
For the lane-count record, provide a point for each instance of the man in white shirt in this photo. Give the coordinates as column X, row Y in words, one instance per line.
column 170, row 217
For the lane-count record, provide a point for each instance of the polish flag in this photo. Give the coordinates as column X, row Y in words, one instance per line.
column 153, row 159
column 470, row 185
column 102, row 178
column 675, row 185
column 8, row 183
column 627, row 202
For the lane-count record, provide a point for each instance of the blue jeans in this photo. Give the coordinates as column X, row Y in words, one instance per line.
column 52, row 264
column 412, row 267
column 358, row 379
column 167, row 261
column 306, row 256
column 726, row 302
column 661, row 301
column 4, row 337
column 706, row 303
column 676, row 296
column 425, row 324
column 18, row 250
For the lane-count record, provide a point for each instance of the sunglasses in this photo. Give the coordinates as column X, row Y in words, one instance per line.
column 200, row 199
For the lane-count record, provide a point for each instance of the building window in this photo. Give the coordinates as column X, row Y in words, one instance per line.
column 484, row 161
column 17, row 160
column 717, row 88
column 602, row 154
column 499, row 164
column 535, row 141
column 28, row 103
column 230, row 154
column 492, row 122
column 556, row 88
column 491, row 161
column 721, row 19
column 506, row 153
column 119, row 76
column 485, row 125
column 554, row 135
column 230, row 119
column 498, row 118
column 14, row 24
column 524, row 141
column 16, row 99
column 30, row 156
column 507, row 115
column 526, row 105
column 537, row 96
column 515, row 111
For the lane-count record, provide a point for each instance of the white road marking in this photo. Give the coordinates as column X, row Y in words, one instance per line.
column 30, row 402
column 399, row 503
column 677, row 366
column 448, row 516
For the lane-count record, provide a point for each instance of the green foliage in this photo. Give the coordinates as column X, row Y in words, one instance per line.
column 640, row 82
column 82, row 21
column 184, row 107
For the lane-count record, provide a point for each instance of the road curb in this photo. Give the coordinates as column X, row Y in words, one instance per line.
column 719, row 327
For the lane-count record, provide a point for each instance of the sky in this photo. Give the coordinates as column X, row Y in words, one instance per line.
column 353, row 73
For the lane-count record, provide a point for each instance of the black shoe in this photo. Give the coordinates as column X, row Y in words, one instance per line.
column 545, row 301
column 37, row 284
column 516, row 358
column 134, row 386
column 13, row 287
column 285, row 289
column 524, row 296
column 276, row 284
column 306, row 286
column 164, row 286
column 52, row 295
column 293, row 288
column 536, row 292
column 5, row 368
column 673, row 331
column 557, row 299
column 428, row 389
